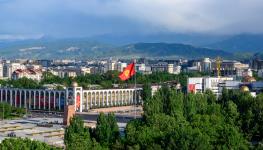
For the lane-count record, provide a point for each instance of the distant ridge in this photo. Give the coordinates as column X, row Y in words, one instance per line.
column 241, row 43
column 84, row 48
column 169, row 50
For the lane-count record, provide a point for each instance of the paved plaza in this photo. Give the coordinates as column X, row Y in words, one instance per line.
column 27, row 128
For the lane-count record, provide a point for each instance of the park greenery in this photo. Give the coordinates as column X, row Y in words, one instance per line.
column 7, row 111
column 106, row 80
column 24, row 144
column 174, row 120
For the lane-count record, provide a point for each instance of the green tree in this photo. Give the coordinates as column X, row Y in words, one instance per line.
column 146, row 92
column 19, row 143
column 107, row 131
column 76, row 136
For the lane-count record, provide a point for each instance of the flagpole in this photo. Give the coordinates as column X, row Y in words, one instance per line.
column 135, row 89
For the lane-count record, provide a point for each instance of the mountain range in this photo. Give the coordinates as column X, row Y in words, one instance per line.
column 169, row 46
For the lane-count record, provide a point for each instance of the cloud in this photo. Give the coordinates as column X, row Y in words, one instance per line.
column 92, row 17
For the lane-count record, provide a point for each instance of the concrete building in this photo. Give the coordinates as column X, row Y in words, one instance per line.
column 170, row 68
column 65, row 72
column 85, row 70
column 160, row 67
column 260, row 73
column 201, row 84
column 230, row 68
column 121, row 66
column 83, row 100
column 206, row 65
column 34, row 74
column 9, row 68
column 257, row 64
column 177, row 69
column 1, row 71
column 111, row 65
column 142, row 68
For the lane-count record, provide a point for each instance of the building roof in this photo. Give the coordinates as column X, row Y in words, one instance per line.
column 28, row 71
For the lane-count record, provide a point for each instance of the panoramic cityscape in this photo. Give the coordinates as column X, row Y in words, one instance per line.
column 131, row 74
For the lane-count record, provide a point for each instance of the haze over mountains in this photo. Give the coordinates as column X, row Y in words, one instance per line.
column 157, row 45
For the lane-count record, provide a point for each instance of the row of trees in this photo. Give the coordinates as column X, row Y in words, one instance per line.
column 8, row 111
column 105, row 80
column 24, row 144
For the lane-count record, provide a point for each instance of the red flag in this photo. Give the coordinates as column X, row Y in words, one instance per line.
column 128, row 72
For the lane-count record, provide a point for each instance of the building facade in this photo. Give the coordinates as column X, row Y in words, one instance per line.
column 55, row 100
column 201, row 84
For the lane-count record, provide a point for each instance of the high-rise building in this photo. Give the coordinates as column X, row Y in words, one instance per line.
column 170, row 68
column 206, row 65
column 121, row 66
column 1, row 71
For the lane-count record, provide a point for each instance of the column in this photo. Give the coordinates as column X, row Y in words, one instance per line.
column 25, row 99
column 59, row 103
column 111, row 98
column 103, row 99
column 20, row 98
column 115, row 98
column 54, row 100
column 11, row 97
column 15, row 97
column 44, row 99
column 99, row 99
column 5, row 95
column 95, row 99
column 49, row 100
column 1, row 95
column 30, row 99
column 107, row 98
column 128, row 97
column 118, row 98
column 87, row 100
column 91, row 99
column 122, row 97
column 39, row 98
column 34, row 100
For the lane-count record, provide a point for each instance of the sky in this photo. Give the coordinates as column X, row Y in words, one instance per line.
column 21, row 19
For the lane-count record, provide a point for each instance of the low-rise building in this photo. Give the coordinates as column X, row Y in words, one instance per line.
column 34, row 74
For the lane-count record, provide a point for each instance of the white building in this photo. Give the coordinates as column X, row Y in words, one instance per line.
column 201, row 84
column 170, row 68
column 85, row 70
column 35, row 74
column 206, row 65
column 177, row 69
column 9, row 68
column 1, row 71
column 121, row 66
column 111, row 65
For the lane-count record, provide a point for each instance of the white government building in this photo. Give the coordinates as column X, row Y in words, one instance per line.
column 55, row 100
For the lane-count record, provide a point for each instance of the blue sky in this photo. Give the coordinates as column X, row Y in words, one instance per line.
column 85, row 18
